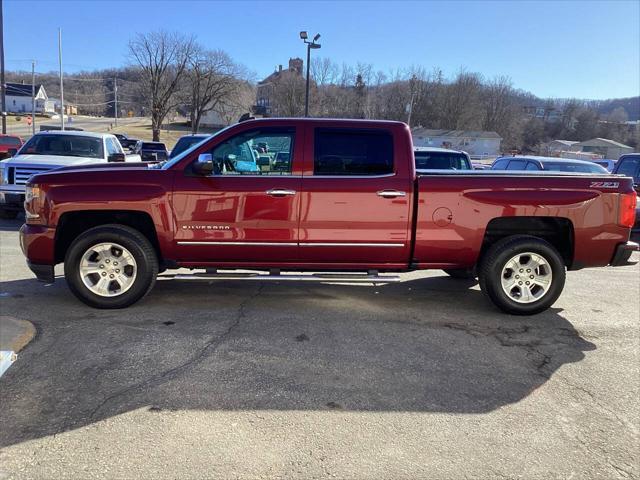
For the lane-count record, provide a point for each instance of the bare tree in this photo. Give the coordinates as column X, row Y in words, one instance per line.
column 237, row 103
column 210, row 80
column 288, row 95
column 163, row 58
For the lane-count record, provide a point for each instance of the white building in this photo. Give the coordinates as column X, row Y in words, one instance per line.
column 605, row 147
column 475, row 143
column 554, row 147
column 213, row 119
column 18, row 98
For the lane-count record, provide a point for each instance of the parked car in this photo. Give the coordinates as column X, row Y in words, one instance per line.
column 50, row 150
column 151, row 151
column 432, row 158
column 348, row 200
column 480, row 166
column 535, row 164
column 9, row 145
column 126, row 142
column 605, row 163
column 187, row 142
column 629, row 165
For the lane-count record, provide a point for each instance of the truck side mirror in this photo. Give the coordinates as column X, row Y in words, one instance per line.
column 116, row 157
column 12, row 152
column 204, row 165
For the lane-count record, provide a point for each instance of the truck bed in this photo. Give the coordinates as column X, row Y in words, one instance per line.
column 455, row 210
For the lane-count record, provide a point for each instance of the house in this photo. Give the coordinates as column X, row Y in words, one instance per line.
column 213, row 119
column 605, row 147
column 265, row 88
column 475, row 143
column 546, row 112
column 18, row 98
column 69, row 108
column 554, row 147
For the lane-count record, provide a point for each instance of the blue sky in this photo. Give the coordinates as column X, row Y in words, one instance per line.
column 583, row 49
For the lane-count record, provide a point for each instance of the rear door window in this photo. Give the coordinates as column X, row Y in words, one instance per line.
column 352, row 152
column 532, row 166
column 500, row 164
column 516, row 165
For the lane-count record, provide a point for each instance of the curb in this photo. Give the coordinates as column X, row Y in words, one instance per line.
column 15, row 334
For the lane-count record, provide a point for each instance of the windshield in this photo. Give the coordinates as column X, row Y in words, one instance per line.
column 64, row 145
column 180, row 156
column 573, row 167
column 441, row 161
column 184, row 143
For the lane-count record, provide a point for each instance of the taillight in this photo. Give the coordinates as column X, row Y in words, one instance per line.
column 627, row 209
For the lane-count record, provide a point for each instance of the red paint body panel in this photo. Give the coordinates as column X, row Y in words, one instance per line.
column 473, row 204
column 309, row 229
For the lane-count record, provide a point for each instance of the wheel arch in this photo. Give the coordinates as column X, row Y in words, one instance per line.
column 72, row 224
column 558, row 231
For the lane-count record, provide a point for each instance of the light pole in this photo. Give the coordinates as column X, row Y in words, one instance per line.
column 310, row 44
column 3, row 87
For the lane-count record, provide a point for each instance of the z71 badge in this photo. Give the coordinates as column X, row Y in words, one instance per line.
column 604, row 184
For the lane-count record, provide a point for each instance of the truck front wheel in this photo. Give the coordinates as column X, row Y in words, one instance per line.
column 522, row 275
column 111, row 266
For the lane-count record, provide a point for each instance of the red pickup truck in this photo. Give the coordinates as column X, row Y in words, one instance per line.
column 324, row 196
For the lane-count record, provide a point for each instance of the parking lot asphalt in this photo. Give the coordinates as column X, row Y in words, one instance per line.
column 241, row 379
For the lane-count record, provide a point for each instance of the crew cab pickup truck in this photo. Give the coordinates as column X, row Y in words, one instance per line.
column 50, row 150
column 330, row 196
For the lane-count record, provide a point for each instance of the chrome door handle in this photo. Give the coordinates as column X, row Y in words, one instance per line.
column 280, row 192
column 391, row 193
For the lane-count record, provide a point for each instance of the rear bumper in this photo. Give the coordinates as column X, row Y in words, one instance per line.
column 622, row 254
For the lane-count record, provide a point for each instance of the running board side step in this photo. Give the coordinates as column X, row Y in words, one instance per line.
column 313, row 277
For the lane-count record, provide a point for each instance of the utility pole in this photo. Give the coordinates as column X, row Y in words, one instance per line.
column 3, row 87
column 115, row 93
column 33, row 97
column 61, row 86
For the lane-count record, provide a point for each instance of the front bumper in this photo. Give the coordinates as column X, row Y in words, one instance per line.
column 12, row 197
column 37, row 243
column 623, row 253
column 44, row 273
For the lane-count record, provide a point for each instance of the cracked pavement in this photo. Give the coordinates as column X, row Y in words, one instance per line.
column 253, row 380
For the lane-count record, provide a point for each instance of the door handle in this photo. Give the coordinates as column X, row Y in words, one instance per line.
column 390, row 193
column 280, row 192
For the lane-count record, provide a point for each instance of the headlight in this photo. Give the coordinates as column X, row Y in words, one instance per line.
column 31, row 192
column 32, row 202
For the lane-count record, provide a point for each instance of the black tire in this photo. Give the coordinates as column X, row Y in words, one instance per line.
column 139, row 247
column 497, row 257
column 9, row 214
column 461, row 273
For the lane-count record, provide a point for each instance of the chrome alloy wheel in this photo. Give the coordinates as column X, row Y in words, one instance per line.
column 526, row 277
column 108, row 269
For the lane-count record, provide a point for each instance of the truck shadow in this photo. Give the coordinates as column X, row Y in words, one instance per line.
column 431, row 344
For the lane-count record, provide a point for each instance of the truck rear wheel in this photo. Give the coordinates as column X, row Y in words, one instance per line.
column 522, row 275
column 111, row 266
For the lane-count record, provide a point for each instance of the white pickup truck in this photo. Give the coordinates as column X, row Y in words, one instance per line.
column 50, row 150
